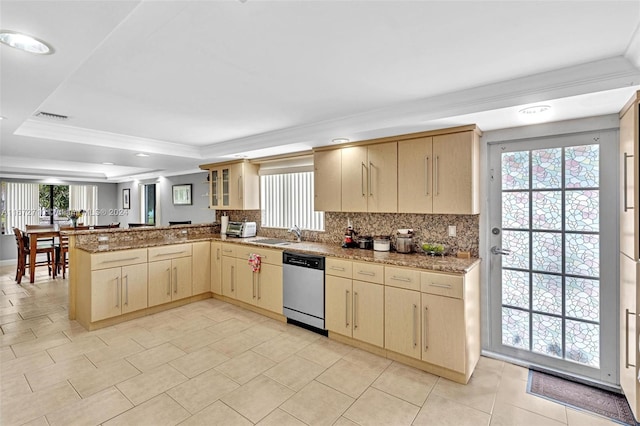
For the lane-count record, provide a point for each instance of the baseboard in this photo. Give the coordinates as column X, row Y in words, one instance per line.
column 8, row 262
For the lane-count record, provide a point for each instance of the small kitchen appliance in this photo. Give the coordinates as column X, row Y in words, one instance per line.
column 404, row 241
column 241, row 229
column 365, row 242
column 382, row 243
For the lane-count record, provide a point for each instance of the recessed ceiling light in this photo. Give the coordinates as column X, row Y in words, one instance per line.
column 536, row 109
column 142, row 154
column 339, row 140
column 25, row 42
column 106, row 163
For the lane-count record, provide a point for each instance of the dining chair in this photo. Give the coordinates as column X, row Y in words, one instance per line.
column 63, row 248
column 24, row 252
column 100, row 227
column 180, row 222
column 138, row 225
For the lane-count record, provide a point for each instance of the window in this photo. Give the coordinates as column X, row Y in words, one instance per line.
column 149, row 203
column 54, row 203
column 21, row 205
column 85, row 197
column 286, row 199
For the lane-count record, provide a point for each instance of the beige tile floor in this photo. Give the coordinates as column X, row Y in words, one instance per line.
column 211, row 363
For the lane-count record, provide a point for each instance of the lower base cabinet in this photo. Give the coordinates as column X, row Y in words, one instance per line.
column 169, row 280
column 355, row 309
column 117, row 291
column 402, row 326
column 262, row 288
column 443, row 332
column 216, row 268
column 201, row 267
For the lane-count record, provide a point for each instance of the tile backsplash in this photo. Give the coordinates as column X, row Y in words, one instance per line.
column 432, row 228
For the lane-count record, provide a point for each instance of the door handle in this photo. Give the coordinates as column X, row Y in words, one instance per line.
column 415, row 325
column 117, row 292
column 369, row 178
column 346, row 308
column 626, row 338
column 624, row 192
column 126, row 296
column 426, row 175
column 498, row 250
column 363, row 167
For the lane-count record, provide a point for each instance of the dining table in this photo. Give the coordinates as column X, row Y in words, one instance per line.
column 35, row 235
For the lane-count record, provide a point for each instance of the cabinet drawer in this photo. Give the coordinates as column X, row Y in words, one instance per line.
column 368, row 272
column 169, row 252
column 442, row 284
column 118, row 258
column 338, row 267
column 229, row 250
column 403, row 278
column 272, row 257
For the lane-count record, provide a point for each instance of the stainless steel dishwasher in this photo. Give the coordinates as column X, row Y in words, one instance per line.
column 303, row 287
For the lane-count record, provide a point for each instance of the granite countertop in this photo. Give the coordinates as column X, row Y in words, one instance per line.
column 413, row 260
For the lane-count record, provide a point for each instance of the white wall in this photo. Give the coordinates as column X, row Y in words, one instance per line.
column 197, row 212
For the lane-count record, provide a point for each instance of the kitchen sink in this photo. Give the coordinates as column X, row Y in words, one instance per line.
column 274, row 242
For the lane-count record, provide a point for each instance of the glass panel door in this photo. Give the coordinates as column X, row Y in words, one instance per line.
column 225, row 187
column 546, row 276
column 214, row 187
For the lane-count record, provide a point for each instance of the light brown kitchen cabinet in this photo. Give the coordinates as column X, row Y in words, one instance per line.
column 354, row 308
column 229, row 285
column 439, row 174
column 114, row 283
column 443, row 332
column 117, row 291
column 451, row 320
column 402, row 302
column 170, row 273
column 262, row 288
column 216, row 268
column 233, row 185
column 629, row 213
column 370, row 178
column 201, row 263
column 327, row 180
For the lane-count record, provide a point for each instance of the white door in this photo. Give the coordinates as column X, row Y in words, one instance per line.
column 553, row 285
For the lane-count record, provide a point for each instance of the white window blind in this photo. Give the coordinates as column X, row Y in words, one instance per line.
column 85, row 197
column 23, row 205
column 286, row 199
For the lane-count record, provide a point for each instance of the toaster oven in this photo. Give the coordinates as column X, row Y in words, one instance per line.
column 241, row 229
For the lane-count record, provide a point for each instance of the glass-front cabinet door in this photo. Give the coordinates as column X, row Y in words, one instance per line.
column 225, row 187
column 215, row 187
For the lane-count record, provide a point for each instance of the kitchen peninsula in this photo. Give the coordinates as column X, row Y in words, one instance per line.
column 418, row 309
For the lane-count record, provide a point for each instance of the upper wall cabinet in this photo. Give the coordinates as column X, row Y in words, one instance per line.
column 428, row 172
column 370, row 178
column 327, row 182
column 439, row 174
column 233, row 186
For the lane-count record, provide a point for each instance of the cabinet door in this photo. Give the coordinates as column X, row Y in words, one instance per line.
column 229, row 277
column 415, row 176
column 402, row 330
column 216, row 268
column 160, row 276
column 355, row 177
column 106, row 293
column 236, row 194
column 629, row 274
column 455, row 170
column 181, row 278
column 629, row 183
column 201, row 262
column 269, row 288
column 327, row 180
column 368, row 312
column 225, row 186
column 246, row 282
column 383, row 178
column 214, row 188
column 134, row 287
column 443, row 332
column 338, row 305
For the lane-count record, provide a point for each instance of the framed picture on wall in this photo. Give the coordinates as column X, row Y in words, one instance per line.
column 126, row 202
column 182, row 194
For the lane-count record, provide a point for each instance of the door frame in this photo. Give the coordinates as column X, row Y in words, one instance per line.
column 606, row 127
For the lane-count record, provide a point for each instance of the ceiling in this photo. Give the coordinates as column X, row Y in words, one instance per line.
column 193, row 82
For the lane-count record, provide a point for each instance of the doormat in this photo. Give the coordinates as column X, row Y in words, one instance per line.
column 581, row 397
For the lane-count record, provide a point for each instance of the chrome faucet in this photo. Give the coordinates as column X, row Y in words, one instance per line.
column 296, row 231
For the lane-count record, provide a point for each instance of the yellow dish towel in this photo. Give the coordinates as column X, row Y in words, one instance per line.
column 254, row 261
